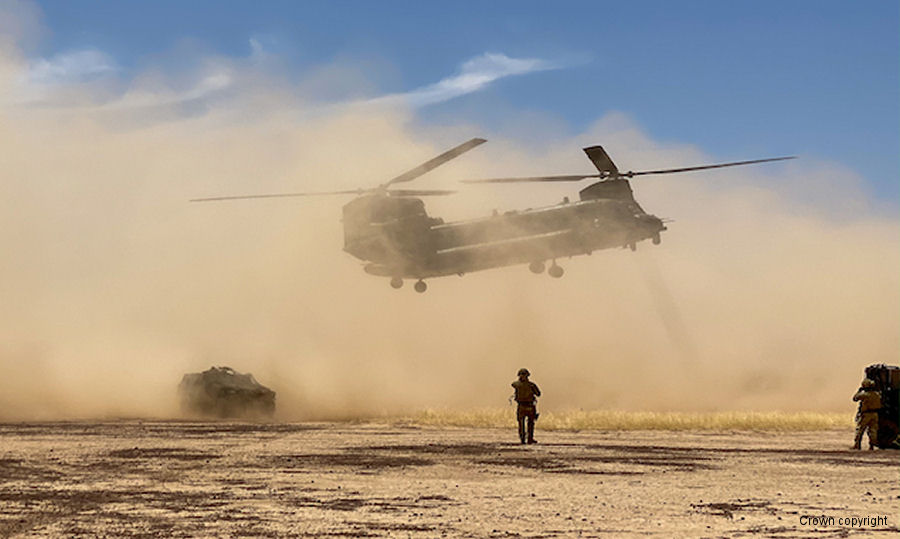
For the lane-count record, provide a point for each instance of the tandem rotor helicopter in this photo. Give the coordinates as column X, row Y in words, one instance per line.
column 390, row 230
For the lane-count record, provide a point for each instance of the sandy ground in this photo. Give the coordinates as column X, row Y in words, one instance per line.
column 171, row 479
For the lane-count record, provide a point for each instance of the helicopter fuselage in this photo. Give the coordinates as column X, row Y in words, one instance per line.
column 399, row 240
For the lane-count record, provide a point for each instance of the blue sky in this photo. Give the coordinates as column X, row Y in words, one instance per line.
column 737, row 79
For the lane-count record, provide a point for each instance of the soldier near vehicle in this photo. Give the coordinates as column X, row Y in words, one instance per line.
column 526, row 396
column 867, row 416
column 886, row 416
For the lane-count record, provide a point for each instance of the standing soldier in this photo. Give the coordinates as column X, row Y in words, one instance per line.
column 867, row 416
column 526, row 394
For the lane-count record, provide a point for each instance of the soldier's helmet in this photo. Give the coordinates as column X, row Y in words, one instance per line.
column 868, row 382
column 524, row 372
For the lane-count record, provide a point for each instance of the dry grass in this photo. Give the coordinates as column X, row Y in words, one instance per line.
column 617, row 420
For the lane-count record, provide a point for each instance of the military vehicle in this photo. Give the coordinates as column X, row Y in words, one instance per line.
column 225, row 393
column 391, row 232
column 887, row 381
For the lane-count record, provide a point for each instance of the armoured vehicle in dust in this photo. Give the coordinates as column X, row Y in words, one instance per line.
column 887, row 381
column 225, row 393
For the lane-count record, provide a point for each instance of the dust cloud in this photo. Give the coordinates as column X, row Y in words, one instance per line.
column 113, row 285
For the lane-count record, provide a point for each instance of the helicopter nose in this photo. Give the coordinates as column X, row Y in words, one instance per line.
column 654, row 223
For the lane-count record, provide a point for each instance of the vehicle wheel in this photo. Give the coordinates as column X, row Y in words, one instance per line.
column 420, row 286
column 536, row 267
column 656, row 239
column 555, row 271
column 396, row 282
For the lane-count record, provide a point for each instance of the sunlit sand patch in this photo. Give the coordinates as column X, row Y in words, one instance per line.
column 620, row 420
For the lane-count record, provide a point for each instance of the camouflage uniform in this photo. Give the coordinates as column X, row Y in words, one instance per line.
column 867, row 415
column 526, row 393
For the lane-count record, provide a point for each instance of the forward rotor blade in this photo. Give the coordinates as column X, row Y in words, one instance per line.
column 419, row 192
column 435, row 162
column 567, row 178
column 282, row 195
column 703, row 167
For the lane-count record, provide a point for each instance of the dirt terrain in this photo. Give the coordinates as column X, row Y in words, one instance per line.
column 178, row 479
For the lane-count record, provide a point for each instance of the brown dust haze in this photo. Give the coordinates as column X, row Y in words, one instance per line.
column 774, row 286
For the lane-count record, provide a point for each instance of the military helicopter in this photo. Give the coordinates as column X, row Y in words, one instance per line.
column 390, row 230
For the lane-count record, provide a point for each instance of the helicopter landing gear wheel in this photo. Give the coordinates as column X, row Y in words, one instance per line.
column 396, row 282
column 555, row 271
column 632, row 246
column 536, row 267
column 656, row 239
column 420, row 286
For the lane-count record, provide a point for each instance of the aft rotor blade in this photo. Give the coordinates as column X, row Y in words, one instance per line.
column 436, row 162
column 281, row 195
column 703, row 167
column 567, row 178
column 419, row 192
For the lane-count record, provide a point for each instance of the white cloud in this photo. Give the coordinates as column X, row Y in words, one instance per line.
column 47, row 80
column 71, row 66
column 256, row 48
column 207, row 87
column 474, row 74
